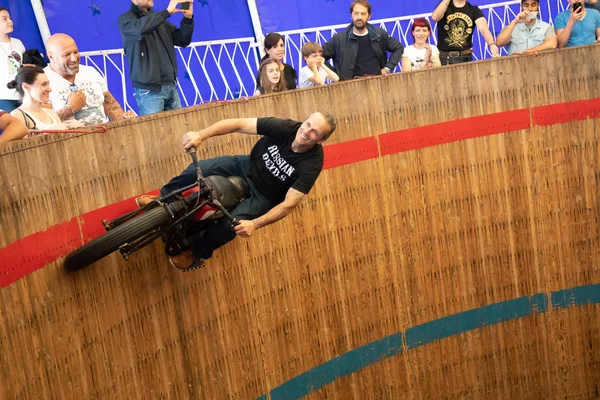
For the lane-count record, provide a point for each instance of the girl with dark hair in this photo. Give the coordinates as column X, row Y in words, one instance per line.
column 275, row 48
column 421, row 54
column 32, row 85
column 11, row 55
column 271, row 78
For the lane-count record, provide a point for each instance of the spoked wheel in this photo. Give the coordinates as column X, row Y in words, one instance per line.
column 111, row 241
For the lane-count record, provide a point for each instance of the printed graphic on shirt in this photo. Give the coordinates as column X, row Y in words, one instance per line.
column 92, row 113
column 459, row 27
column 280, row 168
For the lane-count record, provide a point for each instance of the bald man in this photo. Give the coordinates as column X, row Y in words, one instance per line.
column 79, row 92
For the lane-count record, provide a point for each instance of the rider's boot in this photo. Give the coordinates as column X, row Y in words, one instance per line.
column 144, row 200
column 186, row 261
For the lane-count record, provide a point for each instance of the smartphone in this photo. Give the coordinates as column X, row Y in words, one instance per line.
column 185, row 5
column 576, row 6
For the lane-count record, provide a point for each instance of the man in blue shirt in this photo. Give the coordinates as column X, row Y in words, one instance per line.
column 526, row 32
column 577, row 27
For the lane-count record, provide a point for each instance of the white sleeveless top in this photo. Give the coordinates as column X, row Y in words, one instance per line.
column 41, row 125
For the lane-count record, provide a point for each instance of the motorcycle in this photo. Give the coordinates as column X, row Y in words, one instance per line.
column 179, row 218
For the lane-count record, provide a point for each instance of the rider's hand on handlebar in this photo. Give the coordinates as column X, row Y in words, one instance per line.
column 192, row 139
column 245, row 229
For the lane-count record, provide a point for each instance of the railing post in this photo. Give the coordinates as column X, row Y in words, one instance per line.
column 258, row 31
column 42, row 22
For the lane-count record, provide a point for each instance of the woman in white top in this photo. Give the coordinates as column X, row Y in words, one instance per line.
column 32, row 85
column 11, row 54
column 421, row 54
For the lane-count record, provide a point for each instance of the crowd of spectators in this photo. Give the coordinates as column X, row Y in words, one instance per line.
column 65, row 94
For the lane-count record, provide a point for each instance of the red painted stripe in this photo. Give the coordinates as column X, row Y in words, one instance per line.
column 566, row 112
column 350, row 152
column 35, row 251
column 91, row 222
column 38, row 250
column 447, row 132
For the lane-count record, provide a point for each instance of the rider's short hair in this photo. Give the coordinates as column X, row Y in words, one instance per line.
column 331, row 121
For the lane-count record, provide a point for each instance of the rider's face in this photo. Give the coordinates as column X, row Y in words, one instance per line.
column 313, row 130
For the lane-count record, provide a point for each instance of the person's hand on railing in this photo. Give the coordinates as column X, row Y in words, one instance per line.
column 494, row 50
column 128, row 115
column 73, row 124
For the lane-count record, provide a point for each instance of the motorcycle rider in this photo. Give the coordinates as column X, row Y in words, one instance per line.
column 280, row 170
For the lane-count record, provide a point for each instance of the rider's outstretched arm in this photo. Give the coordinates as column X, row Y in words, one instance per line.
column 292, row 199
column 240, row 125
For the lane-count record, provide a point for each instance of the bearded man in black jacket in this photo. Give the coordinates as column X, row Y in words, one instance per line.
column 149, row 41
column 362, row 49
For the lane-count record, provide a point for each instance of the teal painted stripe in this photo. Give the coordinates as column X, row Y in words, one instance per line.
column 263, row 397
column 340, row 366
column 456, row 324
column 582, row 295
column 474, row 319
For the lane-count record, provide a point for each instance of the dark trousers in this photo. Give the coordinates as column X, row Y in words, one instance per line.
column 221, row 231
column 447, row 60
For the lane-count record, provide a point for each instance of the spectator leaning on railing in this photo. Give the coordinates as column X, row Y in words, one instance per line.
column 11, row 128
column 149, row 42
column 316, row 72
column 275, row 49
column 33, row 86
column 79, row 92
column 577, row 26
column 457, row 20
column 270, row 77
column 526, row 32
column 421, row 54
column 362, row 49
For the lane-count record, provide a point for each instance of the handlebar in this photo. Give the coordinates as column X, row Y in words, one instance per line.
column 192, row 152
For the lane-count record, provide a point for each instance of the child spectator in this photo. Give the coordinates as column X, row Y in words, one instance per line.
column 577, row 26
column 32, row 85
column 271, row 78
column 315, row 72
column 275, row 48
column 421, row 54
column 10, row 61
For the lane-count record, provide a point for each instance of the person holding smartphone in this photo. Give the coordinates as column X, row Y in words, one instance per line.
column 149, row 41
column 577, row 26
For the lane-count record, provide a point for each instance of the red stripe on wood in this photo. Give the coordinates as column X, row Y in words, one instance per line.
column 91, row 222
column 447, row 132
column 566, row 112
column 35, row 251
column 350, row 152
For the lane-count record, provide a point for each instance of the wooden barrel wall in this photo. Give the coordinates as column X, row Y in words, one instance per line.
column 449, row 250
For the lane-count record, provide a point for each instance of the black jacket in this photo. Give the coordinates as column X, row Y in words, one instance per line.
column 343, row 49
column 149, row 42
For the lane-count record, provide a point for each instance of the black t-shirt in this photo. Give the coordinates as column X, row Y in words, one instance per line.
column 366, row 59
column 290, row 75
column 456, row 28
column 275, row 168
